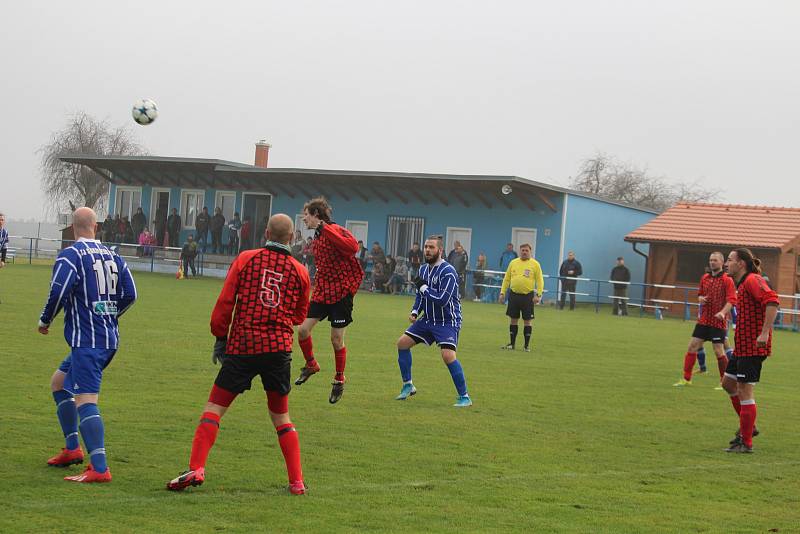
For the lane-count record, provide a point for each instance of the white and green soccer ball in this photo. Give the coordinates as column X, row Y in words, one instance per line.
column 144, row 111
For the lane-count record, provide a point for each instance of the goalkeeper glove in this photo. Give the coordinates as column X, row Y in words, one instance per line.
column 219, row 350
column 422, row 287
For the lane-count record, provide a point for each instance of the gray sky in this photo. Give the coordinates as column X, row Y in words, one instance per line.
column 690, row 89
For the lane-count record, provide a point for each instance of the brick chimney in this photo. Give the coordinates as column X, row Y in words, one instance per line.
column 262, row 153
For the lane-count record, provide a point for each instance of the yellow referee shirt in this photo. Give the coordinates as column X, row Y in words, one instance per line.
column 521, row 275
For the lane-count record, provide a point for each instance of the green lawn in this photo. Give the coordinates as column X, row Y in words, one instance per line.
column 584, row 434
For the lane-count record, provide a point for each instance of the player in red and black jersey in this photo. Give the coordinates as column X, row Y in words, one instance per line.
column 265, row 294
column 716, row 295
column 338, row 277
column 756, row 307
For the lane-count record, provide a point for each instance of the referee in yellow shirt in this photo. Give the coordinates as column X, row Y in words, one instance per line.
column 524, row 278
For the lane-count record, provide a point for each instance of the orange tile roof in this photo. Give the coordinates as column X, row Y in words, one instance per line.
column 723, row 224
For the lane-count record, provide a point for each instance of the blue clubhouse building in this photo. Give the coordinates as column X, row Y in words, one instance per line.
column 395, row 209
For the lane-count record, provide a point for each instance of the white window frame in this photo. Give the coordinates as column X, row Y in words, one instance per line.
column 218, row 204
column 117, row 194
column 201, row 194
column 154, row 203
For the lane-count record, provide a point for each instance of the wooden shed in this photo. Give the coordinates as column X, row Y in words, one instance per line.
column 681, row 239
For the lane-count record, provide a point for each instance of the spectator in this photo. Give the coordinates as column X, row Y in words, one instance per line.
column 146, row 242
column 247, row 235
column 216, row 225
column 620, row 273
column 379, row 275
column 297, row 246
column 308, row 257
column 201, row 224
column 174, row 225
column 399, row 276
column 128, row 236
column 108, row 230
column 188, row 254
column 506, row 257
column 415, row 257
column 459, row 260
column 569, row 268
column 362, row 255
column 138, row 222
column 233, row 234
column 377, row 255
column 391, row 263
column 119, row 229
column 478, row 276
column 160, row 225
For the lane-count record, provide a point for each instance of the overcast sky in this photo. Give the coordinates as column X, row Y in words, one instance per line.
column 691, row 90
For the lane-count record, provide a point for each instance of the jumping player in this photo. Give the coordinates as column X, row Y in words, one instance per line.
column 338, row 277
column 266, row 290
column 757, row 307
column 717, row 296
column 94, row 287
column 439, row 305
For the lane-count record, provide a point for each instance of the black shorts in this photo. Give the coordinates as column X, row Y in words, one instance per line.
column 274, row 368
column 340, row 314
column 520, row 304
column 709, row 333
column 746, row 369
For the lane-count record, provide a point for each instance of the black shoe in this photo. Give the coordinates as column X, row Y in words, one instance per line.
column 740, row 448
column 738, row 437
column 508, row 347
column 305, row 374
column 336, row 391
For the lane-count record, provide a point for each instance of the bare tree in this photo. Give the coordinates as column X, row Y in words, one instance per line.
column 609, row 178
column 74, row 184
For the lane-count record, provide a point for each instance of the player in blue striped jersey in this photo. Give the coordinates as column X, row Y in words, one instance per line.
column 93, row 286
column 436, row 317
column 3, row 241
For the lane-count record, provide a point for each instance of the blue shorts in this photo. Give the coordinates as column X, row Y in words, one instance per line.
column 84, row 369
column 444, row 336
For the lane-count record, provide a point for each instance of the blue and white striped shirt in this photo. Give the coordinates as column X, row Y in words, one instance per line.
column 94, row 287
column 3, row 239
column 440, row 303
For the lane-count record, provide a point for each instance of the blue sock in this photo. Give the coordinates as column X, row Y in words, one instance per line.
column 92, row 432
column 404, row 360
column 67, row 417
column 701, row 359
column 458, row 377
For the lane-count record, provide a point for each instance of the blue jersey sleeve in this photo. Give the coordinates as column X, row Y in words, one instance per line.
column 127, row 287
column 62, row 284
column 448, row 283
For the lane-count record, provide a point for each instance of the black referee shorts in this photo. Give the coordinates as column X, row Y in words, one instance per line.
column 520, row 304
column 340, row 313
column 238, row 371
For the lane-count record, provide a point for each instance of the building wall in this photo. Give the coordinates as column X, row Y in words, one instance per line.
column 595, row 231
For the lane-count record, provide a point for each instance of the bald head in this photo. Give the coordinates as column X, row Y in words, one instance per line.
column 280, row 228
column 84, row 222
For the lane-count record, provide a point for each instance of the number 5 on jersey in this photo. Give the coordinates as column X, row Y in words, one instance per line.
column 271, row 296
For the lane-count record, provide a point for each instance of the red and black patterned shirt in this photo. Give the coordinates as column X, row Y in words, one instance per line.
column 269, row 291
column 338, row 271
column 718, row 290
column 753, row 296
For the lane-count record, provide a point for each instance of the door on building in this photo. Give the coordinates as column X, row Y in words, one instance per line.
column 520, row 236
column 463, row 236
column 159, row 210
column 404, row 232
column 256, row 207
column 359, row 229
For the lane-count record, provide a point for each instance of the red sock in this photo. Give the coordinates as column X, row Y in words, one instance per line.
column 736, row 404
column 290, row 447
column 204, row 438
column 308, row 351
column 341, row 359
column 747, row 420
column 722, row 364
column 688, row 364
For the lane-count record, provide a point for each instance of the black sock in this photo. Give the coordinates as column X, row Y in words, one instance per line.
column 527, row 332
column 513, row 329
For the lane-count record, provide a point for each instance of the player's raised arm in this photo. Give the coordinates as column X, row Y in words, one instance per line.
column 341, row 238
column 61, row 287
column 223, row 310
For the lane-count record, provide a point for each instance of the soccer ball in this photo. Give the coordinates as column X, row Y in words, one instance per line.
column 144, row 111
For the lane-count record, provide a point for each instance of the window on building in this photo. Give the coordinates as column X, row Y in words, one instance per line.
column 692, row 265
column 128, row 200
column 403, row 232
column 226, row 200
column 191, row 205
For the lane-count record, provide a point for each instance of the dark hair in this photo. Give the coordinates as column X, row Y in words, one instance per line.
column 526, row 245
column 437, row 238
column 319, row 208
column 747, row 256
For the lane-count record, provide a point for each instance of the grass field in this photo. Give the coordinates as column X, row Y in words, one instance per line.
column 584, row 434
